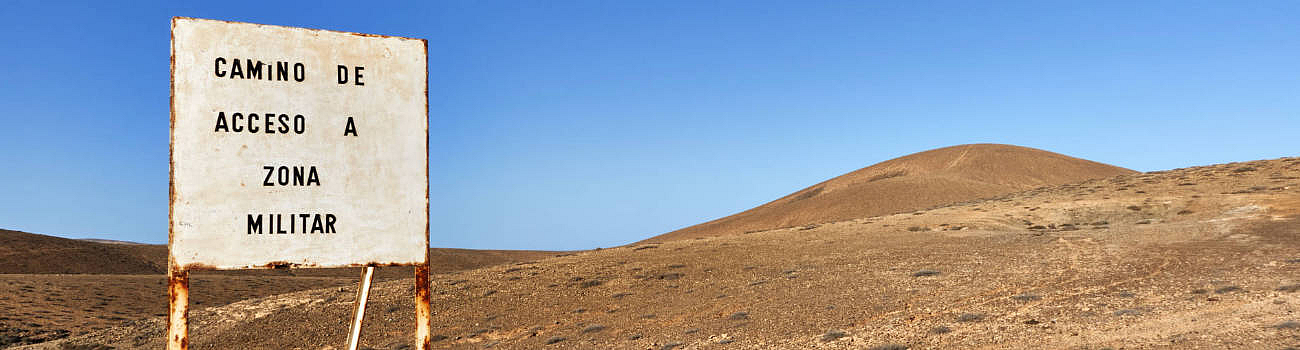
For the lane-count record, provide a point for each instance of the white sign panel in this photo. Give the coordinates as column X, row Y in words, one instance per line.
column 297, row 147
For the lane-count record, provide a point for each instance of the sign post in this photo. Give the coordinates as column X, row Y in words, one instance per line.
column 298, row 148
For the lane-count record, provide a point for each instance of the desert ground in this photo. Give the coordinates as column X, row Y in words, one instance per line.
column 1204, row 257
column 51, row 287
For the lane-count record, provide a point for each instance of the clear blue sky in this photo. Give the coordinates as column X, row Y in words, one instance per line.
column 575, row 125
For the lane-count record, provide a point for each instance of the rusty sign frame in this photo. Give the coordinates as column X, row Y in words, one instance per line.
column 178, row 277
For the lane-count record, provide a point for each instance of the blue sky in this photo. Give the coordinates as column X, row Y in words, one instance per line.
column 583, row 124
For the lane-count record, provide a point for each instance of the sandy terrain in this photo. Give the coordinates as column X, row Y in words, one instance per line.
column 1204, row 257
column 39, row 305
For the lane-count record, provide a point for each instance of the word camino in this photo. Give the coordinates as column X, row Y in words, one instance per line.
column 250, row 69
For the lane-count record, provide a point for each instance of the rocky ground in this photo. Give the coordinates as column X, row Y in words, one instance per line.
column 41, row 307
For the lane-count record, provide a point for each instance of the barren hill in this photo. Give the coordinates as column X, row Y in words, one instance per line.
column 913, row 182
column 22, row 252
column 30, row 253
column 1205, row 257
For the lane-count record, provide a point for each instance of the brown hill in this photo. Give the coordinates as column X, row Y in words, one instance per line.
column 22, row 252
column 913, row 182
column 30, row 253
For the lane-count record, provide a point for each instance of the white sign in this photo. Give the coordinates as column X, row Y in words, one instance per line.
column 297, row 147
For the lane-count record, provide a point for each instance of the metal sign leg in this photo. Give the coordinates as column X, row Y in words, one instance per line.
column 362, row 294
column 423, row 309
column 178, row 291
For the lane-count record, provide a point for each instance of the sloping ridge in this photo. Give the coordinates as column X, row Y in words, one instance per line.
column 22, row 252
column 912, row 182
column 31, row 253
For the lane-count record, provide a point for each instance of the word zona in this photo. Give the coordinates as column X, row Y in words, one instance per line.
column 290, row 176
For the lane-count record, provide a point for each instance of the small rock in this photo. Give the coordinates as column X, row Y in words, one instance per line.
column 1228, row 289
column 1127, row 312
column 926, row 273
column 833, row 334
column 1026, row 297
